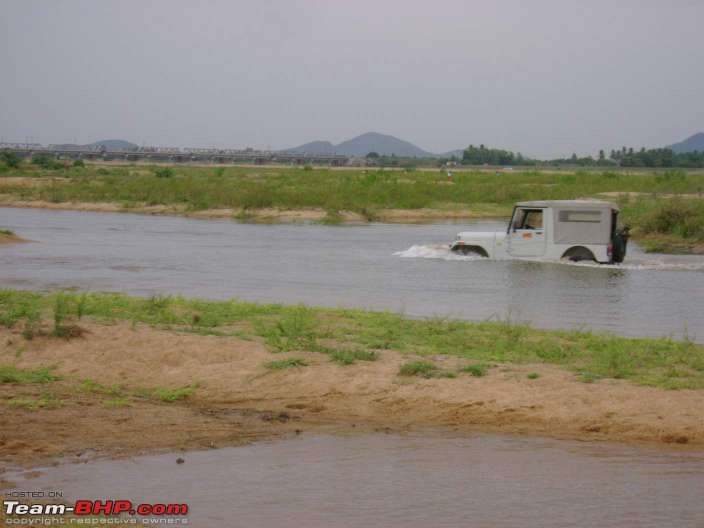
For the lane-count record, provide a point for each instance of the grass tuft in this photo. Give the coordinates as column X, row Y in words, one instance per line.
column 418, row 368
column 477, row 370
column 172, row 395
column 11, row 374
column 345, row 356
column 285, row 364
column 46, row 401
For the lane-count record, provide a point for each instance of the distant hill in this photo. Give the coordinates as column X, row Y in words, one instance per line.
column 692, row 143
column 114, row 144
column 111, row 145
column 314, row 147
column 383, row 144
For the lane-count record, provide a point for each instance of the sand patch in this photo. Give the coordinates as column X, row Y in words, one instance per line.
column 6, row 238
column 238, row 400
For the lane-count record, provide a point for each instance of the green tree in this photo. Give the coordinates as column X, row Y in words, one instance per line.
column 10, row 158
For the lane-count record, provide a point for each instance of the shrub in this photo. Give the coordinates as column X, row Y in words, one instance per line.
column 418, row 368
column 46, row 162
column 164, row 172
column 11, row 159
column 349, row 357
column 477, row 370
column 79, row 163
column 680, row 217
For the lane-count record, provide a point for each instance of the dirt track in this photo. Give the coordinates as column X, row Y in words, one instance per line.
column 238, row 400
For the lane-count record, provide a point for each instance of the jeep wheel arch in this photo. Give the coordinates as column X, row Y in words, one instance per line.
column 471, row 250
column 578, row 253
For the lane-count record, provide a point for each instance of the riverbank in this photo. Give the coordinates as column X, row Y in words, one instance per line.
column 272, row 215
column 8, row 237
column 107, row 375
column 664, row 209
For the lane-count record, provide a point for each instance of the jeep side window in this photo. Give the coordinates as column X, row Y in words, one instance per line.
column 528, row 219
column 533, row 219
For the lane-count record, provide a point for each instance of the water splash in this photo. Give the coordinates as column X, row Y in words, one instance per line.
column 638, row 262
column 435, row 251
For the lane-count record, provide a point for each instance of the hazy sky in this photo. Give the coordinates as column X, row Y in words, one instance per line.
column 544, row 77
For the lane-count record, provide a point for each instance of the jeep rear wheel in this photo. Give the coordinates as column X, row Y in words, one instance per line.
column 579, row 254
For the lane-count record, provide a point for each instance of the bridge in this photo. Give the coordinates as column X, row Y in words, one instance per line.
column 176, row 155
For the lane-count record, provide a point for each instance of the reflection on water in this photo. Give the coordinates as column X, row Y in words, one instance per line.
column 352, row 266
column 405, row 481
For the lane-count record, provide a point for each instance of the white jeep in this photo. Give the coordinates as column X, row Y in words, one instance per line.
column 553, row 229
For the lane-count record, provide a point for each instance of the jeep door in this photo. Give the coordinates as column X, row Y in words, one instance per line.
column 526, row 232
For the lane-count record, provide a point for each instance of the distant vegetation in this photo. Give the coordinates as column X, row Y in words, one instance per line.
column 663, row 157
column 625, row 157
column 47, row 162
column 10, row 159
column 482, row 155
column 490, row 156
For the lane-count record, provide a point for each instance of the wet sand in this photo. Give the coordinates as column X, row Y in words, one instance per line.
column 238, row 401
column 10, row 239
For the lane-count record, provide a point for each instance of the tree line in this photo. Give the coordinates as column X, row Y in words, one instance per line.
column 624, row 157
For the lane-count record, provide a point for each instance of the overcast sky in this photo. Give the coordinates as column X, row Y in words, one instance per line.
column 544, row 77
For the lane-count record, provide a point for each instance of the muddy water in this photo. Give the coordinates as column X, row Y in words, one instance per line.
column 405, row 481
column 396, row 267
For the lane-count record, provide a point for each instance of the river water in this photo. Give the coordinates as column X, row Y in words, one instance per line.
column 403, row 481
column 405, row 268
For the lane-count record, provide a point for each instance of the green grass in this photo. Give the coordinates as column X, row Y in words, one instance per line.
column 586, row 376
column 91, row 386
column 533, row 375
column 361, row 335
column 119, row 393
column 425, row 369
column 7, row 232
column 12, row 374
column 347, row 356
column 666, row 225
column 168, row 395
column 477, row 370
column 45, row 401
column 285, row 364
